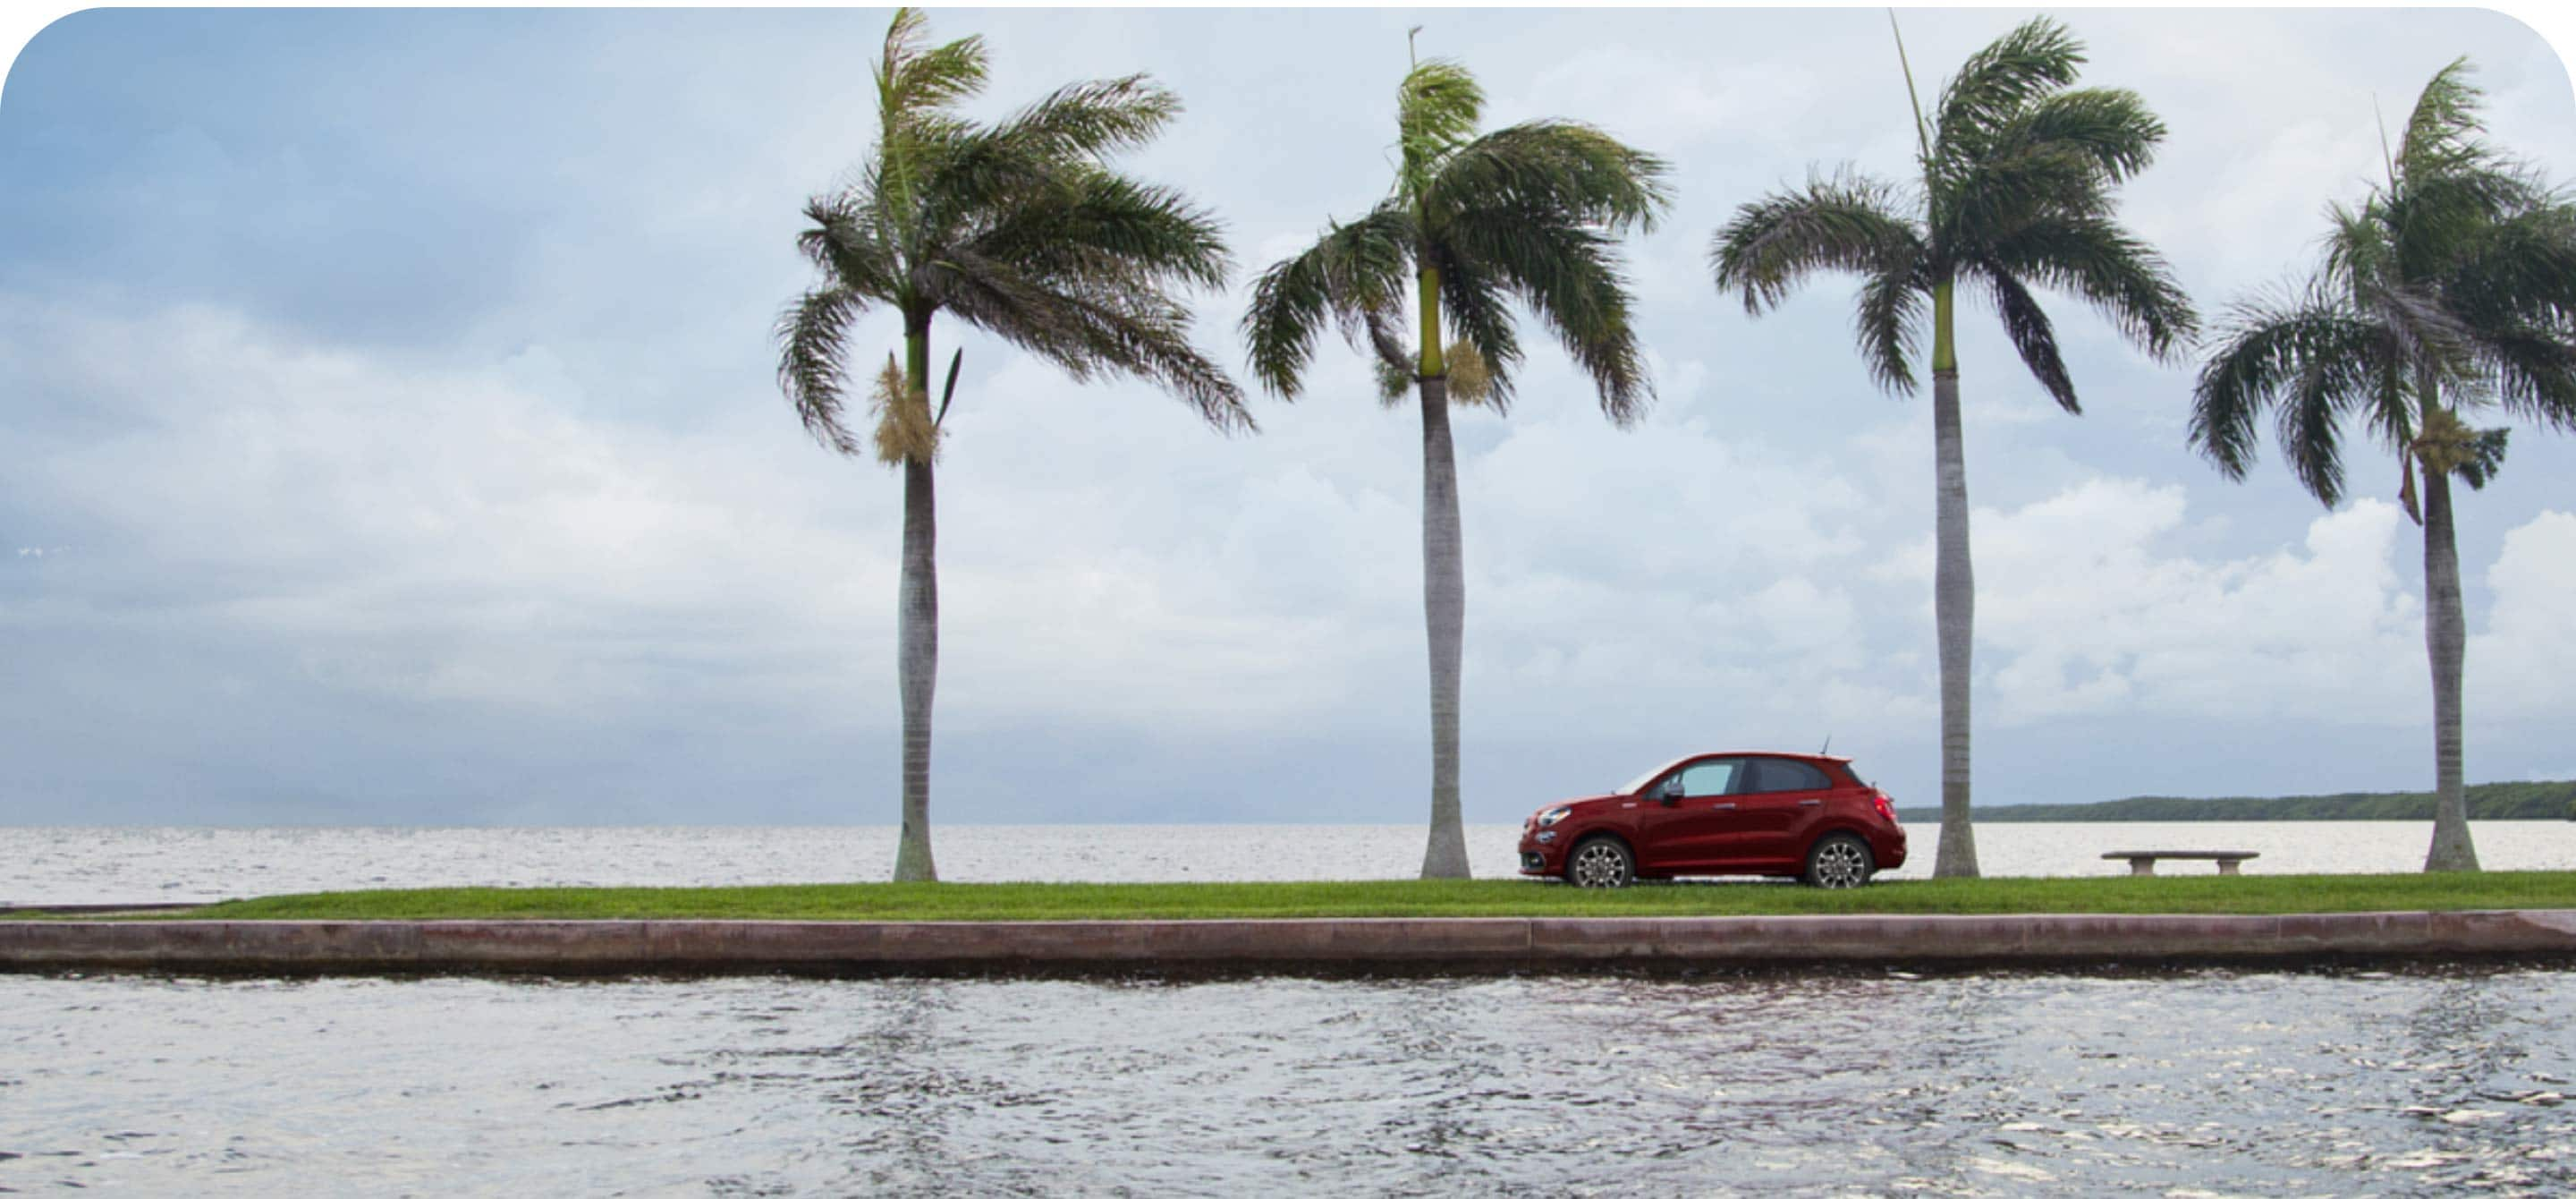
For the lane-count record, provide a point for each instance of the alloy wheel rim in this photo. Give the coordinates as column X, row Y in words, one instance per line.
column 1596, row 865
column 1839, row 865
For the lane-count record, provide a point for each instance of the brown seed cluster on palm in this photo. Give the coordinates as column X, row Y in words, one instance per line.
column 2452, row 287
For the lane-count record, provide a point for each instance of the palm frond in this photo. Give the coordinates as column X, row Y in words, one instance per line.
column 2033, row 338
column 1097, row 224
column 1979, row 202
column 2423, row 334
column 2441, row 132
column 2448, row 183
column 969, row 177
column 1394, row 381
column 2118, row 274
column 1558, row 166
column 2357, row 246
column 914, row 80
column 2110, row 129
column 812, row 334
column 1089, row 327
column 2434, row 212
column 2309, row 424
column 1569, row 275
column 1353, row 276
column 1888, row 324
column 2534, row 371
column 2059, row 155
column 2519, row 268
column 2312, row 356
column 844, row 243
column 2432, row 217
column 1436, row 110
column 2038, row 57
column 1847, row 222
column 1092, row 119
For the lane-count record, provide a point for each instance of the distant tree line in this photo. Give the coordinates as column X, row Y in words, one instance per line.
column 2487, row 801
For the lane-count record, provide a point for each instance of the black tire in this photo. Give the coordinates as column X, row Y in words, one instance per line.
column 1838, row 861
column 1601, row 862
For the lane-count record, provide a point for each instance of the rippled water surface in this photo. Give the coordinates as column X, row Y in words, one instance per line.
column 121, row 865
column 1796, row 1083
column 1828, row 1083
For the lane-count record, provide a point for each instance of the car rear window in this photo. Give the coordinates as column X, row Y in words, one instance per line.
column 1781, row 774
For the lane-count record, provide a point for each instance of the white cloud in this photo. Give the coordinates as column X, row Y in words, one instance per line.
column 2083, row 607
column 452, row 534
column 2089, row 612
column 2525, row 661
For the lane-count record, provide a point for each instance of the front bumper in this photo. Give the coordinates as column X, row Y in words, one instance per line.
column 1542, row 857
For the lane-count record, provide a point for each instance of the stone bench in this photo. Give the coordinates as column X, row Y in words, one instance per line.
column 2143, row 861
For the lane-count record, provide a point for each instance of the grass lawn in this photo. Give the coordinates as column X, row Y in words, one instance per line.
column 2248, row 895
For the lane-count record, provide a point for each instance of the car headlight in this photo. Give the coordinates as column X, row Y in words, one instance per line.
column 1552, row 815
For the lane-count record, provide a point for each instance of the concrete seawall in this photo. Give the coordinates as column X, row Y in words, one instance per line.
column 1466, row 945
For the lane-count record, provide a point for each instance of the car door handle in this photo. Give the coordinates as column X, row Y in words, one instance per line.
column 1811, row 803
column 1721, row 807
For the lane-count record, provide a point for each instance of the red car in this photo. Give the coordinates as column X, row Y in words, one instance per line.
column 1795, row 815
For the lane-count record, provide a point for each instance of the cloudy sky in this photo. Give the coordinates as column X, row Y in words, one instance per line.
column 388, row 435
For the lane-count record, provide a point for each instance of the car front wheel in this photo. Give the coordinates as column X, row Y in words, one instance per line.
column 1839, row 860
column 1601, row 862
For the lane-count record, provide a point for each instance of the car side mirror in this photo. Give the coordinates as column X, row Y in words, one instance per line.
column 1670, row 791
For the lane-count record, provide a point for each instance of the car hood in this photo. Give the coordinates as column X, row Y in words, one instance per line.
column 1586, row 803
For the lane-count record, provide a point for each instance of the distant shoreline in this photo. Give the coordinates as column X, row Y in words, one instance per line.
column 2487, row 801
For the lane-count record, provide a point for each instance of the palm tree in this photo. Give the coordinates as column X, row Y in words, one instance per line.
column 2017, row 170
column 1532, row 212
column 2453, row 286
column 1018, row 228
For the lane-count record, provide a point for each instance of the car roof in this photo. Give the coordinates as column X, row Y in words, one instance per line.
column 1750, row 753
column 1764, row 753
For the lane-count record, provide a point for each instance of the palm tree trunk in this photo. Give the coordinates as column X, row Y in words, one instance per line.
column 1444, row 610
column 917, row 628
column 2445, row 642
column 1954, row 598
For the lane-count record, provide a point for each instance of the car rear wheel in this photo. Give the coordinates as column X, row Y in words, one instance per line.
column 1839, row 860
column 1601, row 862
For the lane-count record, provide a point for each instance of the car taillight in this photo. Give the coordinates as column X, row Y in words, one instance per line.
column 1886, row 810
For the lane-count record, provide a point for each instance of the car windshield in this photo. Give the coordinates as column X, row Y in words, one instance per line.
column 1639, row 783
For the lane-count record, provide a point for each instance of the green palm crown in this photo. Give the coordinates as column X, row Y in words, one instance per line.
column 1532, row 212
column 1018, row 228
column 2017, row 173
column 2453, row 284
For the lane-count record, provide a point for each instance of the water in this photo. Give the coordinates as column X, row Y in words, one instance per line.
column 103, row 865
column 1834, row 1082
column 1810, row 1083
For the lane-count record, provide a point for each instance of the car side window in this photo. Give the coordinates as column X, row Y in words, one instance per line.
column 1714, row 777
column 1779, row 774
